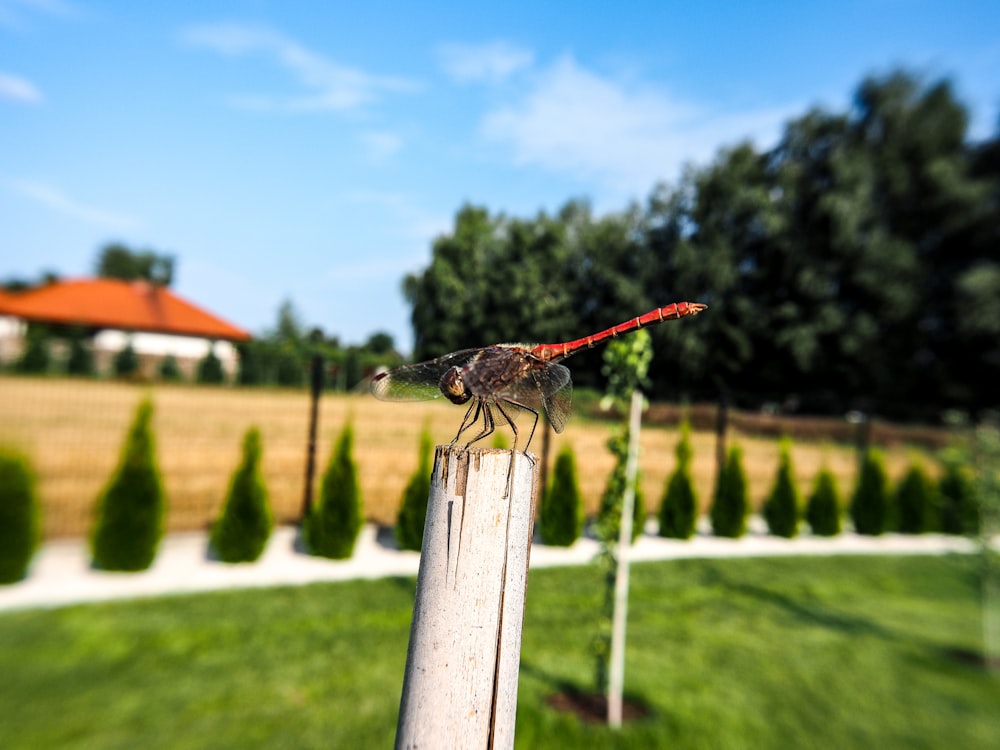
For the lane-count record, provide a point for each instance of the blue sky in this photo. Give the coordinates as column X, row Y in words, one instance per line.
column 312, row 151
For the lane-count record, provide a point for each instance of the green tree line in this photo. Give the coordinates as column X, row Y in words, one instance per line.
column 853, row 265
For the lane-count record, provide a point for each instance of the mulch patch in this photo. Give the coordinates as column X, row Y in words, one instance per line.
column 593, row 707
column 971, row 658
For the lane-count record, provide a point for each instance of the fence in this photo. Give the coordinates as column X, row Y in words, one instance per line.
column 73, row 429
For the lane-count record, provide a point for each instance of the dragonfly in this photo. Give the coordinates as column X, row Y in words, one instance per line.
column 499, row 382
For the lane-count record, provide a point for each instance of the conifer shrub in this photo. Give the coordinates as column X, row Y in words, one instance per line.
column 240, row 534
column 332, row 527
column 730, row 504
column 413, row 509
column 210, row 369
column 81, row 358
column 19, row 515
column 560, row 519
column 823, row 506
column 169, row 370
column 781, row 508
column 126, row 361
column 869, row 507
column 957, row 498
column 915, row 501
column 679, row 508
column 131, row 509
column 36, row 358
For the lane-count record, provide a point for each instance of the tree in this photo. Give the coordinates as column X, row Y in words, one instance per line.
column 626, row 365
column 823, row 506
column 413, row 509
column 869, row 508
column 118, row 261
column 131, row 508
column 332, row 528
column 560, row 518
column 730, row 505
column 781, row 508
column 240, row 534
column 679, row 509
column 19, row 515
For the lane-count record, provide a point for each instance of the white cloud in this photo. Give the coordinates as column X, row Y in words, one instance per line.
column 54, row 199
column 16, row 89
column 329, row 86
column 623, row 137
column 381, row 145
column 489, row 63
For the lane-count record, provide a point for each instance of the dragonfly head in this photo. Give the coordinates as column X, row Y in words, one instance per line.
column 453, row 387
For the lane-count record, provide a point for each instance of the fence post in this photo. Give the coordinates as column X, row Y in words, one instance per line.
column 460, row 684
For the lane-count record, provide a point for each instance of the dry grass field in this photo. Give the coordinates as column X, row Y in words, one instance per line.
column 73, row 430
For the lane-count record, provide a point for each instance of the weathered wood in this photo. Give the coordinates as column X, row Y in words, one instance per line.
column 460, row 684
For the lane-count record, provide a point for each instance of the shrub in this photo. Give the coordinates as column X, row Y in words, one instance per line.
column 730, row 505
column 915, row 501
column 210, row 369
column 823, row 507
column 781, row 508
column 957, row 498
column 870, row 502
column 126, row 362
column 560, row 519
column 413, row 509
column 131, row 508
column 241, row 532
column 19, row 515
column 679, row 509
column 81, row 358
column 35, row 359
column 332, row 528
column 169, row 370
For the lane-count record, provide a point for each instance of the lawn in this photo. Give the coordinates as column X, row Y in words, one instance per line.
column 755, row 653
column 73, row 430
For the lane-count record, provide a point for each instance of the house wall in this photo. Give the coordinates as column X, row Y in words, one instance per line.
column 11, row 338
column 152, row 347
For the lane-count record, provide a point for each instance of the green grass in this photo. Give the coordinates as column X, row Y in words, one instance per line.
column 767, row 653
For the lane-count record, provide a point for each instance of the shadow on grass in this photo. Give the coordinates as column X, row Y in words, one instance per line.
column 812, row 613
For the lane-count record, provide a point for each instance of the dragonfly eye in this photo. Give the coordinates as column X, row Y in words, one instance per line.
column 453, row 387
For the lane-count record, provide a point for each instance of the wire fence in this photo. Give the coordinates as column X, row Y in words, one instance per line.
column 73, row 431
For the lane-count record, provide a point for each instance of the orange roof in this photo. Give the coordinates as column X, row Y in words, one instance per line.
column 111, row 303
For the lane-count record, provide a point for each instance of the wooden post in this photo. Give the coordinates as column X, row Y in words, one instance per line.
column 460, row 685
column 616, row 676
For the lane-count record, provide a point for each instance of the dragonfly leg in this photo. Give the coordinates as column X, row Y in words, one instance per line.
column 476, row 406
column 534, row 424
column 489, row 423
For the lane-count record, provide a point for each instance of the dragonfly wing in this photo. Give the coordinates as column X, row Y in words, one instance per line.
column 555, row 385
column 419, row 381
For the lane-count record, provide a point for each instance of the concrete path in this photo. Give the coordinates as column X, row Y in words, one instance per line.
column 61, row 574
